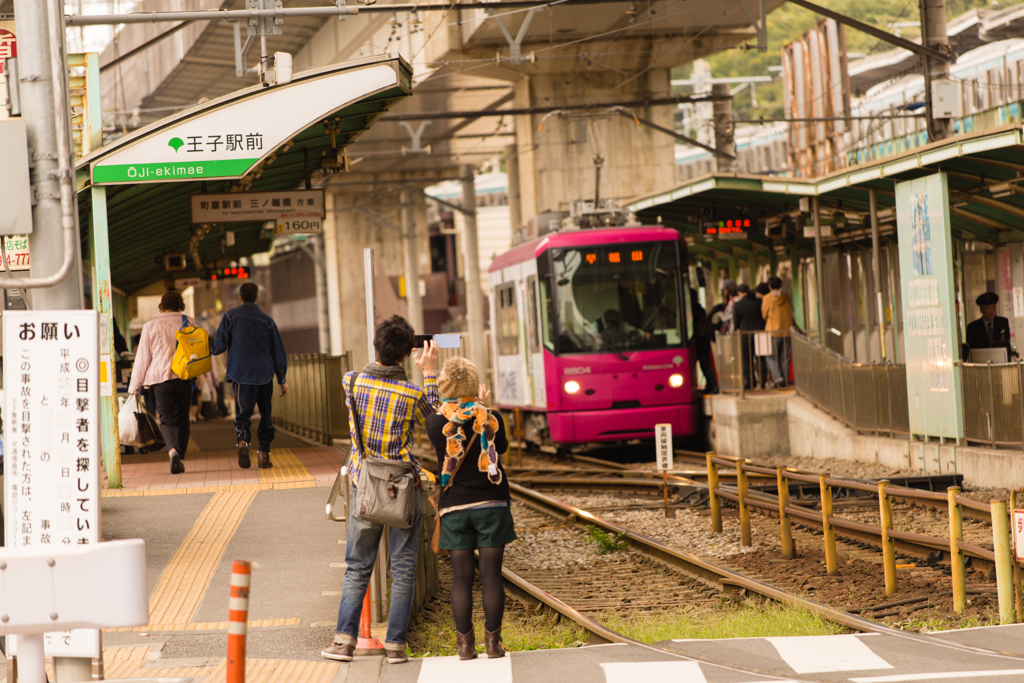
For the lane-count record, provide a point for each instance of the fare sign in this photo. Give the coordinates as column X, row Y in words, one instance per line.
column 663, row 442
column 51, row 439
column 245, row 207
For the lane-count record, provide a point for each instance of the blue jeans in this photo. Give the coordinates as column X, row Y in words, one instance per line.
column 360, row 554
column 778, row 362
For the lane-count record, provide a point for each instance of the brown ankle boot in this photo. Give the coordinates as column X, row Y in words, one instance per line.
column 465, row 643
column 492, row 641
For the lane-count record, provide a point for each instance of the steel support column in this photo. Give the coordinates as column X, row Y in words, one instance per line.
column 817, row 269
column 474, row 288
column 110, row 440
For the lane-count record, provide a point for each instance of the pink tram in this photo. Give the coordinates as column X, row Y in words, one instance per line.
column 592, row 335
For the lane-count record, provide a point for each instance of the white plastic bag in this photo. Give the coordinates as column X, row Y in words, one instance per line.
column 127, row 424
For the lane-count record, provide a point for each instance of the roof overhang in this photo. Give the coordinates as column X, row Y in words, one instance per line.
column 986, row 187
column 281, row 133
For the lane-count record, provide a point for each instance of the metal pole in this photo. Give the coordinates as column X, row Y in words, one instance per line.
column 371, row 301
column 110, row 442
column 817, row 269
column 412, row 267
column 474, row 289
column 788, row 549
column 1004, row 561
column 320, row 276
column 888, row 547
column 876, row 268
column 48, row 123
column 829, row 534
column 725, row 140
column 956, row 537
column 515, row 208
column 741, row 488
column 934, row 35
column 713, row 500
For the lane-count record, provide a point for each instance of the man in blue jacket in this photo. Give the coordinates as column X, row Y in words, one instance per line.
column 256, row 355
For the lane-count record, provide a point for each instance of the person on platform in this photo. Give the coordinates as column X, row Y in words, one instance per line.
column 703, row 335
column 474, row 500
column 990, row 331
column 389, row 408
column 721, row 313
column 746, row 317
column 152, row 370
column 255, row 354
column 778, row 318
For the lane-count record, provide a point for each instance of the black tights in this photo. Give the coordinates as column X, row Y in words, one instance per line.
column 462, row 587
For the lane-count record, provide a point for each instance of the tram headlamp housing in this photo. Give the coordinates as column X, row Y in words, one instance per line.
column 675, row 381
column 572, row 387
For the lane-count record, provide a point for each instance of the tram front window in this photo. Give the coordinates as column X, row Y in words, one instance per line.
column 615, row 298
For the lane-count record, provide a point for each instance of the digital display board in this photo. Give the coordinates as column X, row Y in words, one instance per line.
column 729, row 228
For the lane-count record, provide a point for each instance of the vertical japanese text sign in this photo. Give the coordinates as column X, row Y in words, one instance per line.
column 663, row 441
column 51, row 439
column 929, row 313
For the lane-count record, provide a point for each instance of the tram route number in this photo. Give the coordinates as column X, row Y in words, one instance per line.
column 663, row 442
column 297, row 226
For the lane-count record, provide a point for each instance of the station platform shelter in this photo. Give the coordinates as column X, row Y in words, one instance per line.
column 883, row 271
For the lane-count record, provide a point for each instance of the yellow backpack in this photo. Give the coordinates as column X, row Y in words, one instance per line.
column 192, row 357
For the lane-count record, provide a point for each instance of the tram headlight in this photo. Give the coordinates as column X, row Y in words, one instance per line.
column 675, row 381
column 572, row 387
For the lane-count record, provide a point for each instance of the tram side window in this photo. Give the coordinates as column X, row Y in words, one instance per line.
column 547, row 315
column 531, row 308
column 508, row 321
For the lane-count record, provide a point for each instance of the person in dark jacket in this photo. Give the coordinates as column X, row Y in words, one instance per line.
column 474, row 500
column 746, row 317
column 990, row 331
column 703, row 335
column 256, row 354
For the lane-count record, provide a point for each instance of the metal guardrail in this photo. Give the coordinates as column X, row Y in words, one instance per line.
column 993, row 404
column 741, row 361
column 867, row 397
column 315, row 404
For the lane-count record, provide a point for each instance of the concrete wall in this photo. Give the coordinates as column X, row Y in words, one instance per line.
column 771, row 425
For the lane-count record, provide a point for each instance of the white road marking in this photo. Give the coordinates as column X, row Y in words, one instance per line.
column 813, row 654
column 653, row 672
column 940, row 675
column 453, row 670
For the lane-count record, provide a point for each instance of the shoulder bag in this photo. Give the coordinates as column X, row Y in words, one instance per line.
column 386, row 493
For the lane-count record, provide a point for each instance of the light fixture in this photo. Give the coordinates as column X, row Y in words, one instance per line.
column 1000, row 190
column 572, row 387
column 675, row 381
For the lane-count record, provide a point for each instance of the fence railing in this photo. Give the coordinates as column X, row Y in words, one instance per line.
column 888, row 533
column 868, row 397
column 741, row 359
column 315, row 404
column 993, row 407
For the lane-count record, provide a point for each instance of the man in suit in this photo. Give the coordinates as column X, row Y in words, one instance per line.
column 990, row 331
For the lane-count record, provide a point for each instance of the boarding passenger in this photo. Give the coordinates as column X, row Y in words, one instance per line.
column 746, row 317
column 389, row 406
column 990, row 331
column 474, row 500
column 256, row 354
column 152, row 370
column 721, row 313
column 778, row 316
column 703, row 335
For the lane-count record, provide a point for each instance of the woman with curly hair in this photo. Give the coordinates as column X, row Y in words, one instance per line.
column 474, row 500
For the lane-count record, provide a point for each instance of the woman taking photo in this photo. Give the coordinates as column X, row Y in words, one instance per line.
column 474, row 500
column 152, row 369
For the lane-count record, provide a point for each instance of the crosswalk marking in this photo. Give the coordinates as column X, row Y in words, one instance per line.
column 454, row 670
column 941, row 675
column 815, row 654
column 653, row 672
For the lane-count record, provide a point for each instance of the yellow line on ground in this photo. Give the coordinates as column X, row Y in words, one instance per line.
column 287, row 469
column 216, row 488
column 183, row 584
column 124, row 662
column 205, row 626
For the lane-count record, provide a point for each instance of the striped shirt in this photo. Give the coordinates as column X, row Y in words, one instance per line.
column 388, row 411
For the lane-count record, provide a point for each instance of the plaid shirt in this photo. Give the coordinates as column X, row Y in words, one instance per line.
column 388, row 411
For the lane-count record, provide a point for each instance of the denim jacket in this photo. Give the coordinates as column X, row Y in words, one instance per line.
column 256, row 350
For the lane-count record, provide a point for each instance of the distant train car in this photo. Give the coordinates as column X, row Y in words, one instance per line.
column 592, row 335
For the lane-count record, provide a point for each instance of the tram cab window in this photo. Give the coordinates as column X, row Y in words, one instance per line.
column 531, row 313
column 621, row 297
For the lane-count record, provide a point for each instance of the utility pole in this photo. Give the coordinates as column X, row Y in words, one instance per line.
column 725, row 138
column 48, row 124
column 934, row 35
column 474, row 291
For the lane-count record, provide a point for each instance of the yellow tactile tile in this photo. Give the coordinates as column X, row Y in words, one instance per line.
column 263, row 486
column 183, row 584
column 124, row 662
column 287, row 472
column 206, row 626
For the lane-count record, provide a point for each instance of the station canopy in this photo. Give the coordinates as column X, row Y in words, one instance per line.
column 986, row 192
column 259, row 139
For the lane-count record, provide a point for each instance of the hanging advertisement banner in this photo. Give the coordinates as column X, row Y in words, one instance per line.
column 929, row 313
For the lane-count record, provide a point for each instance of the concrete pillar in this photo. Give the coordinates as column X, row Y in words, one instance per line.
column 412, row 268
column 320, row 278
column 474, row 288
column 796, row 272
column 725, row 140
column 515, row 213
column 876, row 271
column 333, row 277
column 752, row 267
column 934, row 35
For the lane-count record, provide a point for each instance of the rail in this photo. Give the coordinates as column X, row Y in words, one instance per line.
column 315, row 404
column 886, row 534
column 867, row 397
